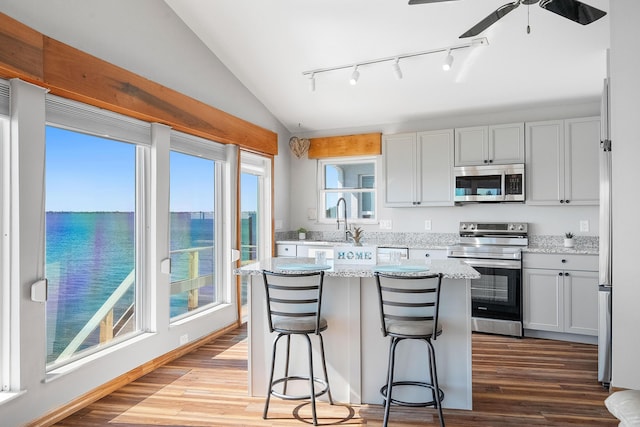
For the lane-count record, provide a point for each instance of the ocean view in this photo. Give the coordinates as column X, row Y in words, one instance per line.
column 89, row 254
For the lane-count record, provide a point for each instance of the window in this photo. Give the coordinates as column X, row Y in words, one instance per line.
column 91, row 241
column 196, row 225
column 94, row 225
column 352, row 179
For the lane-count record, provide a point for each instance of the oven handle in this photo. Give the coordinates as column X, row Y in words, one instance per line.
column 511, row 265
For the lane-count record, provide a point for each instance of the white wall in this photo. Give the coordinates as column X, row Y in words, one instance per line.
column 544, row 220
column 625, row 137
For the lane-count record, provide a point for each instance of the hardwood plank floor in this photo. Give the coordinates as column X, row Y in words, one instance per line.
column 516, row 382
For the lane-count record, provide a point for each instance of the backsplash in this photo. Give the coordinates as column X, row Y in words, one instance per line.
column 380, row 238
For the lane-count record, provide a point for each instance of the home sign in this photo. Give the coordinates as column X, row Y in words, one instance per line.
column 358, row 255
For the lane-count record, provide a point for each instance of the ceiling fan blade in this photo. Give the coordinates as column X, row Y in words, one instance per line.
column 426, row 1
column 491, row 19
column 573, row 10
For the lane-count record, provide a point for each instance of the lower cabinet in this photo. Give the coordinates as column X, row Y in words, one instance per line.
column 561, row 300
column 427, row 254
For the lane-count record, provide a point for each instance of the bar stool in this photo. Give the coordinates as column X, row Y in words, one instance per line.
column 409, row 308
column 293, row 308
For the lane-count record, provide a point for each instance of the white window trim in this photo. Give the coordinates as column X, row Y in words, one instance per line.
column 321, row 191
column 260, row 166
column 5, row 277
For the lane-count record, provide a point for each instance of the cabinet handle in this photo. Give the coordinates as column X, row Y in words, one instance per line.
column 560, row 274
column 567, row 201
column 566, row 274
column 564, row 261
column 561, row 201
column 427, row 255
column 486, row 161
column 490, row 161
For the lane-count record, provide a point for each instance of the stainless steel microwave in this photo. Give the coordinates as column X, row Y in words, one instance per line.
column 490, row 183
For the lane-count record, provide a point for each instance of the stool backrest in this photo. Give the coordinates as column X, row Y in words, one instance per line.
column 408, row 298
column 293, row 295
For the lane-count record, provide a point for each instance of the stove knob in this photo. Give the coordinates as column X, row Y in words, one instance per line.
column 512, row 227
column 463, row 226
column 521, row 227
column 471, row 226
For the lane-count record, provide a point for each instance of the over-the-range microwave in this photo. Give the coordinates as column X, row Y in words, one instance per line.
column 490, row 183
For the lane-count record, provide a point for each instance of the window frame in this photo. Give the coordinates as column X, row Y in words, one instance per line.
column 5, row 275
column 82, row 118
column 199, row 147
column 322, row 191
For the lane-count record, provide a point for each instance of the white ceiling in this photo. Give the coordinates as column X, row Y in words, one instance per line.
column 268, row 44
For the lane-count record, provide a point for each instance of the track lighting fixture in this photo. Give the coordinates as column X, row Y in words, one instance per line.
column 448, row 60
column 355, row 74
column 396, row 69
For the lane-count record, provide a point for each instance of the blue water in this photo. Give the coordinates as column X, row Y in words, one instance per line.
column 89, row 254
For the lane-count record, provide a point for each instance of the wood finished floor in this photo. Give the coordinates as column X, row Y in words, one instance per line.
column 516, row 382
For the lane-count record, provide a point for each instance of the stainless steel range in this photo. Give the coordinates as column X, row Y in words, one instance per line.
column 495, row 250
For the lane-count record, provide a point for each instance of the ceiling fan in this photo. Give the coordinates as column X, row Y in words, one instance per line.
column 571, row 9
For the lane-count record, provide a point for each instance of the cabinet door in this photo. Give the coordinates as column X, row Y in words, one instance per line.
column 582, row 172
column 435, row 173
column 400, row 169
column 283, row 250
column 581, row 302
column 427, row 254
column 471, row 146
column 543, row 300
column 506, row 144
column 545, row 163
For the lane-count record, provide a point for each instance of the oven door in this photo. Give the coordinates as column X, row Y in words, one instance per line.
column 497, row 294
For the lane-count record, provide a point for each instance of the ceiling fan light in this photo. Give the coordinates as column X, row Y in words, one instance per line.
column 354, row 76
column 448, row 61
column 396, row 69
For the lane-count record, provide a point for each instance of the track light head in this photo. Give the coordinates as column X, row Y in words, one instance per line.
column 354, row 76
column 447, row 61
column 396, row 69
column 312, row 82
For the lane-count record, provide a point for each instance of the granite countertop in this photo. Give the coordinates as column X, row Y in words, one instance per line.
column 578, row 250
column 450, row 268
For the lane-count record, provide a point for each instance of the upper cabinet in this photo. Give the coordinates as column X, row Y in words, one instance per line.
column 562, row 162
column 418, row 169
column 497, row 144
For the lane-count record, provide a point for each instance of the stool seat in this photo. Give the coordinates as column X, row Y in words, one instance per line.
column 294, row 301
column 298, row 325
column 412, row 328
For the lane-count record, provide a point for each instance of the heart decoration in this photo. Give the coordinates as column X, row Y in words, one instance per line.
column 299, row 146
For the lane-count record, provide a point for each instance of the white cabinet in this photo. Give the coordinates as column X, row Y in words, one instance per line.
column 286, row 249
column 310, row 251
column 560, row 293
column 562, row 162
column 427, row 254
column 496, row 144
column 418, row 169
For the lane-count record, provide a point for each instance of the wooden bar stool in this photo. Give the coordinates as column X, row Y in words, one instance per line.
column 409, row 311
column 293, row 308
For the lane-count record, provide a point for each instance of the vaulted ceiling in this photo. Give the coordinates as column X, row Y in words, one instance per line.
column 269, row 44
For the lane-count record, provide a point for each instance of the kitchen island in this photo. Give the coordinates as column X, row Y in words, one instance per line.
column 356, row 351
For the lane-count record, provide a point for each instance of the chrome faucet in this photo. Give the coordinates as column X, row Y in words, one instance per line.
column 347, row 233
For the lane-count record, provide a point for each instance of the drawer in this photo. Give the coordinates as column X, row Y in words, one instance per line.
column 286, row 250
column 560, row 261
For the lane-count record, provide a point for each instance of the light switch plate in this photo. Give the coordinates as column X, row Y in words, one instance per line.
column 427, row 224
column 312, row 214
column 278, row 224
column 584, row 225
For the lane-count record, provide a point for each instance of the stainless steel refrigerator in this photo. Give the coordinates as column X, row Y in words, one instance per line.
column 605, row 252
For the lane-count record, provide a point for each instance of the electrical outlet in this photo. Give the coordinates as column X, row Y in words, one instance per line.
column 584, row 225
column 278, row 224
column 385, row 224
column 427, row 224
column 184, row 339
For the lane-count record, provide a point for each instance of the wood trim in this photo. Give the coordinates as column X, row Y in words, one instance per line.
column 73, row 74
column 64, row 411
column 350, row 145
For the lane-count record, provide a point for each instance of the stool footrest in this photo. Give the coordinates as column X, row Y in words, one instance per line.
column 323, row 390
column 383, row 392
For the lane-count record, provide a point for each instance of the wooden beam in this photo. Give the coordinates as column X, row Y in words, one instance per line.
column 73, row 74
column 342, row 146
